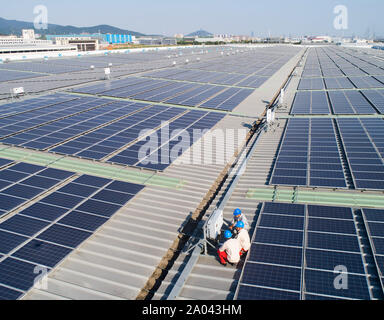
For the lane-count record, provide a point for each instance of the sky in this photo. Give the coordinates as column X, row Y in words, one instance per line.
column 168, row 17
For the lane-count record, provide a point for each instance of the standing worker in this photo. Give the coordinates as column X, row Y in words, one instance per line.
column 230, row 250
column 239, row 216
column 243, row 237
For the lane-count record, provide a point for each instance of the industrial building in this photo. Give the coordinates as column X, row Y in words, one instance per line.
column 291, row 135
column 29, row 44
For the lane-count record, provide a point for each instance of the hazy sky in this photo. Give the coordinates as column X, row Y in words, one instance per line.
column 279, row 17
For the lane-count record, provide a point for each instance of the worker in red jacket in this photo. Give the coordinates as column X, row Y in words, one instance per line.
column 230, row 250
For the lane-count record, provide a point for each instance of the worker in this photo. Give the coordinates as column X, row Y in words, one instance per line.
column 243, row 237
column 230, row 250
column 239, row 216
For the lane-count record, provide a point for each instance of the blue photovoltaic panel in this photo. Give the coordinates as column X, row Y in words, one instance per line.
column 333, row 242
column 99, row 207
column 9, row 241
column 65, row 236
column 9, row 294
column 279, row 258
column 323, row 160
column 322, row 282
column 44, row 211
column 256, row 293
column 272, row 276
column 287, row 256
column 276, row 236
column 23, row 225
column 17, row 274
column 83, row 220
column 328, row 260
column 43, row 253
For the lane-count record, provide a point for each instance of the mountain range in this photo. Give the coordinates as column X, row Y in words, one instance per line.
column 15, row 27
column 200, row 34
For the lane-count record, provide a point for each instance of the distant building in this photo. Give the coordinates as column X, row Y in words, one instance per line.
column 29, row 44
column 82, row 43
column 156, row 41
column 27, row 39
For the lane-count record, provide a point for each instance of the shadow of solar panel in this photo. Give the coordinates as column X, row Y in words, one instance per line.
column 9, row 241
column 9, row 294
column 272, row 276
column 43, row 253
column 322, row 282
column 257, row 293
column 44, row 211
column 83, row 220
column 287, row 256
column 23, row 225
column 332, row 242
column 65, row 236
column 328, row 260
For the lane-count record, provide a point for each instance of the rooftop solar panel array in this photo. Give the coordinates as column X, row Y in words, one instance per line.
column 296, row 250
column 350, row 102
column 313, row 102
column 376, row 97
column 19, row 183
column 104, row 141
column 153, row 155
column 45, row 232
column 363, row 141
column 180, row 93
column 374, row 221
column 46, row 136
column 309, row 155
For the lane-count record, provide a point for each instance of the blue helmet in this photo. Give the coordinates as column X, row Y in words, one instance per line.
column 227, row 234
column 240, row 224
column 237, row 212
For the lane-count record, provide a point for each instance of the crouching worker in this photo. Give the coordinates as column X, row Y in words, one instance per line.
column 239, row 216
column 230, row 250
column 243, row 237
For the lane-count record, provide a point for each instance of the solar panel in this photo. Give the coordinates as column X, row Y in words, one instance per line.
column 298, row 261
